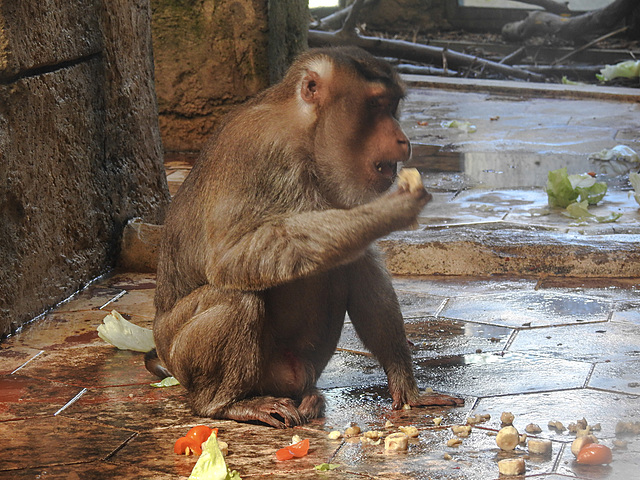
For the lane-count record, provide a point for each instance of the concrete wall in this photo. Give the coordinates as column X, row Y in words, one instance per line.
column 80, row 150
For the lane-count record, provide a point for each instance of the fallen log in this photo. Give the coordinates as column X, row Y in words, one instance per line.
column 578, row 28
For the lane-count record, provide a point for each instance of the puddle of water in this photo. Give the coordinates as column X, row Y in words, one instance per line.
column 508, row 169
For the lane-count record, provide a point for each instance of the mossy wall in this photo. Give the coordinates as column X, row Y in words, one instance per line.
column 211, row 55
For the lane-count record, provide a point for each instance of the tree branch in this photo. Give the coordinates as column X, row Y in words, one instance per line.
column 415, row 52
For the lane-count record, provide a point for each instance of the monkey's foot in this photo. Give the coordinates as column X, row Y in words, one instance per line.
column 274, row 411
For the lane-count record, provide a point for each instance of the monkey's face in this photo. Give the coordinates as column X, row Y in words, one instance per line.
column 350, row 100
column 359, row 144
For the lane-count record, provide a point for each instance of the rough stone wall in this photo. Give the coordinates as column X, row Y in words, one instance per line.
column 80, row 149
column 211, row 55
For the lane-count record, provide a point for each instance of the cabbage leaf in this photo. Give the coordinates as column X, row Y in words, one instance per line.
column 125, row 335
column 211, row 464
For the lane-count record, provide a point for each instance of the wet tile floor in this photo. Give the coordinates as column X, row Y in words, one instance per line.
column 72, row 406
column 544, row 348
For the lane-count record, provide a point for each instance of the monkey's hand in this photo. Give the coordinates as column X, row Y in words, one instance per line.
column 409, row 198
column 429, row 400
column 410, row 181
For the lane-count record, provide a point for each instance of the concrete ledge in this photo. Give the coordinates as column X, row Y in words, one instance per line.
column 548, row 90
column 468, row 251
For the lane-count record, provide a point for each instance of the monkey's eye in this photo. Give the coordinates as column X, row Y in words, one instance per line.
column 380, row 103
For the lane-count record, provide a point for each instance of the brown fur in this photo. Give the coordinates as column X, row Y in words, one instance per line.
column 268, row 244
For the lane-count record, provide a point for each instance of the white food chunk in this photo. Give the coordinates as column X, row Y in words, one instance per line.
column 461, row 430
column 508, row 438
column 539, row 446
column 511, row 466
column 410, row 431
column 397, row 442
column 580, row 442
column 507, row 418
column 532, row 428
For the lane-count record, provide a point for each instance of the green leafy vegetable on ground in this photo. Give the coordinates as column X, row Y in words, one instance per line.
column 211, row 464
column 125, row 335
column 560, row 192
column 324, row 467
column 575, row 193
column 634, row 178
column 564, row 189
column 627, row 69
column 166, row 382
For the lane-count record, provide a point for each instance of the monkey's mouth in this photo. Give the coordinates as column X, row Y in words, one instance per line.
column 387, row 169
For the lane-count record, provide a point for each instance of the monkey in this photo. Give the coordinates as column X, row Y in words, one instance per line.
column 270, row 242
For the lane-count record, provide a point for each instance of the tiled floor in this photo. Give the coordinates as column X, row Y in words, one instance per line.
column 545, row 348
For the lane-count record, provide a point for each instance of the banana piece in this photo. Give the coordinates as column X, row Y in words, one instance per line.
column 410, row 179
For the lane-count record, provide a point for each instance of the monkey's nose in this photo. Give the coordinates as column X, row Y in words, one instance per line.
column 405, row 144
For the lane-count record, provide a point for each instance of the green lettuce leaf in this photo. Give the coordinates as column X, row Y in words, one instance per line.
column 211, row 465
column 166, row 382
column 578, row 210
column 560, row 192
column 628, row 69
column 590, row 190
column 324, row 467
column 125, row 335
column 459, row 124
column 634, row 178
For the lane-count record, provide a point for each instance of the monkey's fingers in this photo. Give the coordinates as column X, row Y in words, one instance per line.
column 437, row 399
column 430, row 400
column 273, row 411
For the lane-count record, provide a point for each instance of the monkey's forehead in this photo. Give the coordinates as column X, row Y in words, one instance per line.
column 351, row 61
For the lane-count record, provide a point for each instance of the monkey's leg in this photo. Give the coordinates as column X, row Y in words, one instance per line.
column 217, row 355
column 375, row 314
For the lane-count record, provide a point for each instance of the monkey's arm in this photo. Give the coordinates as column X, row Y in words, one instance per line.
column 291, row 247
column 375, row 313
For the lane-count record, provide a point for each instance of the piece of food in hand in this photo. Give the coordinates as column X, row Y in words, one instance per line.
column 508, row 438
column 511, row 466
column 410, row 179
column 595, row 454
column 396, row 442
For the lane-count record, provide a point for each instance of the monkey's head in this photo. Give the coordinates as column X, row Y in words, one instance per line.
column 349, row 100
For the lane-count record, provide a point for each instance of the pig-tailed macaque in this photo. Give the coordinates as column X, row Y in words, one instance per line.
column 268, row 244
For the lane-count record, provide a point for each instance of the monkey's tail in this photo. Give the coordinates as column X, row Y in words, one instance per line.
column 154, row 365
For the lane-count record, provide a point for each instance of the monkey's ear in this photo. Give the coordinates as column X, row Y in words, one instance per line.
column 313, row 87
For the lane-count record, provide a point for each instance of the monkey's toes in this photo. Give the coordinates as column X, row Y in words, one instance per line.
column 437, row 399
